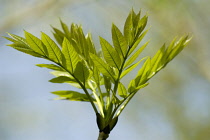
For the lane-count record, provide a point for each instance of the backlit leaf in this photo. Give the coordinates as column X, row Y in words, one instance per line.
column 157, row 62
column 142, row 73
column 71, row 95
column 90, row 44
column 65, row 29
column 54, row 52
column 142, row 86
column 62, row 79
column 71, row 56
column 18, row 39
column 24, row 49
column 146, row 72
column 71, row 81
column 50, row 66
column 110, row 54
column 59, row 35
column 61, row 73
column 135, row 55
column 179, row 46
column 96, row 75
column 128, row 29
column 107, row 83
column 136, row 43
column 122, row 90
column 81, row 72
column 119, row 41
column 103, row 67
column 36, row 44
column 132, row 86
column 130, row 68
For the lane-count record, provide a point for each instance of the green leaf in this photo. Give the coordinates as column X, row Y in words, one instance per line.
column 107, row 83
column 142, row 86
column 22, row 48
column 62, row 79
column 135, row 55
column 136, row 19
column 96, row 76
column 61, row 73
column 141, row 77
column 90, row 44
column 145, row 72
column 54, row 52
column 102, row 66
column 157, row 62
column 81, row 72
column 110, row 54
column 11, row 39
column 141, row 25
column 130, row 68
column 59, row 35
column 71, row 95
column 128, row 29
column 18, row 39
column 122, row 90
column 71, row 56
column 36, row 44
column 71, row 81
column 65, row 29
column 20, row 44
column 119, row 41
column 170, row 47
column 50, row 66
column 137, row 41
column 179, row 46
column 132, row 86
column 82, row 43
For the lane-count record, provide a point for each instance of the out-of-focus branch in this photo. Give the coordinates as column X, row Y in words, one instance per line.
column 38, row 10
column 21, row 14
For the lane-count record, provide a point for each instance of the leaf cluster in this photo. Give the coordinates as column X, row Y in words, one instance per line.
column 99, row 74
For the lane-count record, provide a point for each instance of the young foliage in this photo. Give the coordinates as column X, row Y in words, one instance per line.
column 99, row 75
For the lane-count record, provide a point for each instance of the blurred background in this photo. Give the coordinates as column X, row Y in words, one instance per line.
column 175, row 106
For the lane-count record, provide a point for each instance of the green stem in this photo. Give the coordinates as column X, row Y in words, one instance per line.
column 89, row 97
column 117, row 82
column 120, row 72
column 83, row 87
column 127, row 100
column 102, row 136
